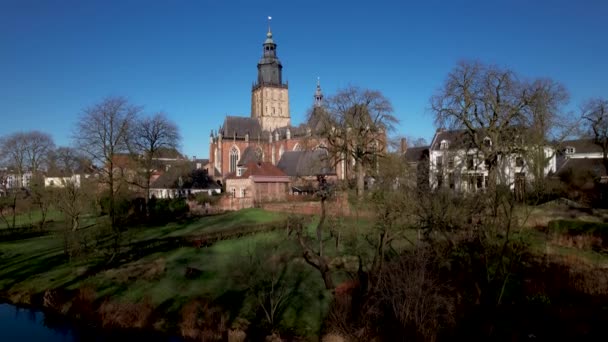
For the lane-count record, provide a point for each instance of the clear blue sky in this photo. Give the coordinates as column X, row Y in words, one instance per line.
column 196, row 60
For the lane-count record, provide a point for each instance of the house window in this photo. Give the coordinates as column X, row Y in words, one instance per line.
column 234, row 158
column 470, row 163
column 243, row 192
column 479, row 181
column 519, row 161
column 451, row 180
column 569, row 150
column 451, row 162
column 444, row 145
column 439, row 162
column 233, row 192
column 239, row 172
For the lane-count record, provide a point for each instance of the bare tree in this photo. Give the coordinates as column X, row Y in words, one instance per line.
column 38, row 147
column 101, row 134
column 499, row 114
column 355, row 124
column 315, row 255
column 595, row 116
column 150, row 135
column 68, row 160
column 14, row 155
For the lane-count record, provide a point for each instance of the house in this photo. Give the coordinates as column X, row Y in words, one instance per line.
column 182, row 180
column 259, row 181
column 455, row 163
column 417, row 159
column 59, row 180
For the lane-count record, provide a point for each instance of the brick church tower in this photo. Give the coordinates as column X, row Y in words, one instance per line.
column 269, row 95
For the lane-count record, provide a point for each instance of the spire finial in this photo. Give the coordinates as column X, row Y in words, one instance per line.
column 318, row 82
column 269, row 34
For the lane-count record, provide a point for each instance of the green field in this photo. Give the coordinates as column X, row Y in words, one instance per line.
column 159, row 274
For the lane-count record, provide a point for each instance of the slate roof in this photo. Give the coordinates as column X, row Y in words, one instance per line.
column 241, row 125
column 305, row 163
column 460, row 138
column 416, row 154
column 455, row 138
column 249, row 156
column 191, row 178
column 583, row 146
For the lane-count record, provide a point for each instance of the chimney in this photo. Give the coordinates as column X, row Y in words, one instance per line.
column 403, row 146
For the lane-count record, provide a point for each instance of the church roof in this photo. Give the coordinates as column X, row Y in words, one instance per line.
column 249, row 156
column 240, row 126
column 305, row 163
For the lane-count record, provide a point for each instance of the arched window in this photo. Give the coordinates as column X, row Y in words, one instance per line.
column 234, row 158
column 444, row 145
column 297, row 147
column 259, row 154
column 281, row 150
column 274, row 162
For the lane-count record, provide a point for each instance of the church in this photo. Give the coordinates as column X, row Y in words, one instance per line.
column 268, row 133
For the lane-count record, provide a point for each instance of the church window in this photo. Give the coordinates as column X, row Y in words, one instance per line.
column 281, row 150
column 296, row 147
column 259, row 154
column 234, row 158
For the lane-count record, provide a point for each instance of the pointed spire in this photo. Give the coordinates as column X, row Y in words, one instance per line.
column 318, row 94
column 269, row 34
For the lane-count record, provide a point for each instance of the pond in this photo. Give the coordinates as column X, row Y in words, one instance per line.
column 25, row 324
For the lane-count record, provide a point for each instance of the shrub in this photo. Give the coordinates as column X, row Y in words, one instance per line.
column 202, row 198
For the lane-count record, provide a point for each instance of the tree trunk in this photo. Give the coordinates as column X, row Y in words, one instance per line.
column 360, row 179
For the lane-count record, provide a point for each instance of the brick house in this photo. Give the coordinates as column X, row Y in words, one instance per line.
column 259, row 182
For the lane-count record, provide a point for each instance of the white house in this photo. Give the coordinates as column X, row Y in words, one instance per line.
column 454, row 163
column 60, row 181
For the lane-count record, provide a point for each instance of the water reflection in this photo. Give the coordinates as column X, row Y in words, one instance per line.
column 23, row 324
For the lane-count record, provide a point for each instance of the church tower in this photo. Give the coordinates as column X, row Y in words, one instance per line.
column 269, row 95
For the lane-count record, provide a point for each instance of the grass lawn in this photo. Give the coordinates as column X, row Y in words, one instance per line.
column 31, row 266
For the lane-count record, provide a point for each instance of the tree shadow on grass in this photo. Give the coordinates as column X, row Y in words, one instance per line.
column 30, row 269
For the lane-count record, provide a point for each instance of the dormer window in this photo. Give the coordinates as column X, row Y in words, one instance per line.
column 569, row 150
column 487, row 142
column 240, row 171
column 444, row 145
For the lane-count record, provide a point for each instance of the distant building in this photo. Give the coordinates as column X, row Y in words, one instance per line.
column 455, row 163
column 259, row 181
column 182, row 180
column 267, row 134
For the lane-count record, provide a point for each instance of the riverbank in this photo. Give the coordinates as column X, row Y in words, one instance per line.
column 188, row 278
column 20, row 323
